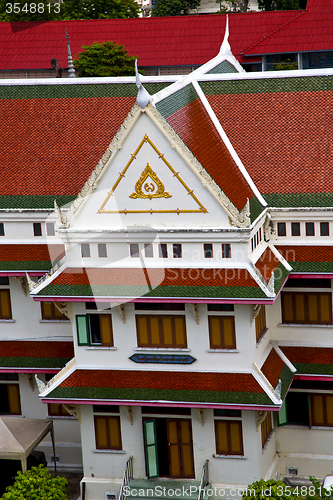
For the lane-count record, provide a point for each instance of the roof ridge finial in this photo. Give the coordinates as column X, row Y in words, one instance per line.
column 143, row 97
column 225, row 47
column 71, row 69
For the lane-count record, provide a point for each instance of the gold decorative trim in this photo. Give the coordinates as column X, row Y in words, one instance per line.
column 156, row 185
column 122, row 174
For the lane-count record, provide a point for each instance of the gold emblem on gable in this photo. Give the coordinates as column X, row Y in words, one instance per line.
column 151, row 184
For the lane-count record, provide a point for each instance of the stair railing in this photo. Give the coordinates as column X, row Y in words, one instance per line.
column 128, row 475
column 204, row 480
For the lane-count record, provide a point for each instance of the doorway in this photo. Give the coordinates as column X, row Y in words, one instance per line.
column 168, row 448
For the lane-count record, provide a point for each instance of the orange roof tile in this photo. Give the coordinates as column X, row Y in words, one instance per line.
column 306, row 253
column 272, row 130
column 272, row 367
column 267, row 263
column 196, row 129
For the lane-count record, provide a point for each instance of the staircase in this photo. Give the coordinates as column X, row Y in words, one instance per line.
column 163, row 489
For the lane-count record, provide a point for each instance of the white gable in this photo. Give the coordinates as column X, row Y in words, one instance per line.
column 150, row 182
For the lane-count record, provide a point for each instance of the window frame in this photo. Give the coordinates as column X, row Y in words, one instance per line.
column 260, row 323
column 10, row 395
column 266, row 429
column 102, row 249
column 327, row 224
column 85, row 250
column 161, row 332
column 9, row 315
column 163, row 251
column 222, row 344
column 107, row 418
column 324, row 398
column 177, row 251
column 208, row 251
column 305, row 320
column 229, row 451
column 134, row 250
column 2, row 229
column 55, row 315
column 226, row 251
column 61, row 412
column 308, row 232
column 83, row 331
column 295, row 225
column 37, row 229
column 281, row 229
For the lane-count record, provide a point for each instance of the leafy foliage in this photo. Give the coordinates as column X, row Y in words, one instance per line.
column 277, row 490
column 100, row 9
column 37, row 484
column 30, row 10
column 105, row 59
column 174, row 7
column 281, row 4
column 47, row 10
column 288, row 64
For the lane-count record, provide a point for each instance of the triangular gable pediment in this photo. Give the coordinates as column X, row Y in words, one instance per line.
column 148, row 176
column 151, row 185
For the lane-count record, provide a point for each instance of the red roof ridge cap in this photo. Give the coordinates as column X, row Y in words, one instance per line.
column 274, row 31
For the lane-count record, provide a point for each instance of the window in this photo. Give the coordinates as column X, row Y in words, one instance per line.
column 266, row 428
column 324, row 229
column 295, row 229
column 95, row 329
column 281, row 229
column 295, row 409
column 229, row 439
column 5, row 307
column 2, row 229
column 50, row 229
column 4, row 280
column 309, row 229
column 149, row 250
column 102, row 250
column 208, row 251
column 308, row 283
column 156, row 306
column 107, row 432
column 177, row 251
column 261, row 323
column 306, row 308
column 134, row 250
column 37, row 229
column 220, row 307
column 321, row 410
column 10, row 399
column 222, row 332
column 85, row 250
column 57, row 410
column 163, row 251
column 161, row 331
column 51, row 312
column 226, row 251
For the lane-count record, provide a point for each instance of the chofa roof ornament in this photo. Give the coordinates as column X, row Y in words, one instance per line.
column 143, row 97
column 71, row 69
column 225, row 47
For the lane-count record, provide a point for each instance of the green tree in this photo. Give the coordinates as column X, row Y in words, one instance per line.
column 100, row 9
column 30, row 10
column 281, row 4
column 47, row 10
column 105, row 59
column 37, row 483
column 173, row 7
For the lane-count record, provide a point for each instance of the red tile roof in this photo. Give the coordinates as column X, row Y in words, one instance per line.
column 164, row 41
column 198, row 381
column 309, row 31
column 36, row 253
column 163, row 277
column 317, row 355
column 196, row 129
column 36, row 349
column 267, row 263
column 306, row 253
column 272, row 367
column 67, row 137
column 276, row 126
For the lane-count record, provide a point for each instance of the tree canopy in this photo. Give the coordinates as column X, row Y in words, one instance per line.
column 45, row 10
column 37, row 483
column 281, row 4
column 105, row 59
column 173, row 7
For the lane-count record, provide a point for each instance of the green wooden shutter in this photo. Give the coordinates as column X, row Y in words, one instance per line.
column 282, row 416
column 150, row 437
column 82, row 327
